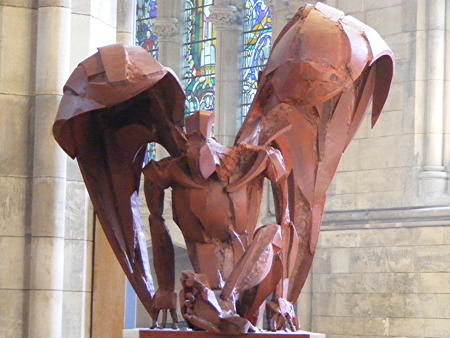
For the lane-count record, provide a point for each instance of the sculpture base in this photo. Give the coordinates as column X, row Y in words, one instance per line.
column 146, row 333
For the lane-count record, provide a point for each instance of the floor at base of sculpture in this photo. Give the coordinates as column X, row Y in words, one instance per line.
column 145, row 333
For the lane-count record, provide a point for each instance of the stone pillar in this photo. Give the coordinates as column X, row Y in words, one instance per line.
column 17, row 58
column 109, row 290
column 126, row 16
column 93, row 24
column 49, row 172
column 168, row 28
column 282, row 12
column 168, row 32
column 226, row 19
column 447, row 98
column 433, row 173
column 279, row 10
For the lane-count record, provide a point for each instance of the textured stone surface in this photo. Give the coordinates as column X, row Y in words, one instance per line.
column 53, row 47
column 386, row 21
column 12, row 313
column 75, row 317
column 81, row 7
column 371, row 4
column 12, row 272
column 76, row 216
column 48, row 207
column 50, row 310
column 105, row 11
column 17, row 52
column 77, row 263
column 15, row 120
column 350, row 6
column 382, row 279
column 19, row 3
column 47, row 265
column 48, row 158
column 80, row 39
column 55, row 3
column 13, row 206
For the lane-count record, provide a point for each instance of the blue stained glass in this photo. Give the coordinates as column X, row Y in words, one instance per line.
column 257, row 15
column 146, row 10
column 256, row 44
column 199, row 56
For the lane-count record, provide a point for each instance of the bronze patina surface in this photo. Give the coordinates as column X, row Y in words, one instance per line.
column 324, row 70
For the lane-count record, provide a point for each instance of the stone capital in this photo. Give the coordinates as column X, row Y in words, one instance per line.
column 224, row 17
column 165, row 28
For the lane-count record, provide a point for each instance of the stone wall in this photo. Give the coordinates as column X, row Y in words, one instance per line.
column 383, row 262
column 388, row 275
column 45, row 232
column 381, row 166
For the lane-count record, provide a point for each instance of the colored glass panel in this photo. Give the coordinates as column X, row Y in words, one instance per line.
column 146, row 10
column 199, row 56
column 256, row 43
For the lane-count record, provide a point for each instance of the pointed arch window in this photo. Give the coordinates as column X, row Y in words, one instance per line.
column 256, row 44
column 199, row 56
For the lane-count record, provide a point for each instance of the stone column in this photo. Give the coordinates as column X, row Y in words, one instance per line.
column 109, row 290
column 126, row 10
column 168, row 32
column 49, row 172
column 17, row 58
column 282, row 12
column 433, row 173
column 168, row 28
column 447, row 98
column 224, row 15
column 279, row 10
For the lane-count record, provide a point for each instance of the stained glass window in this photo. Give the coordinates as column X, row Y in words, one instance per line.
column 146, row 10
column 199, row 56
column 256, row 42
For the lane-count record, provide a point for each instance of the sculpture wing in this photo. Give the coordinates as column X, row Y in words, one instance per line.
column 324, row 70
column 114, row 103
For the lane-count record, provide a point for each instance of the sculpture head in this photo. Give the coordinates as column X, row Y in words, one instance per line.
column 318, row 54
column 200, row 156
column 200, row 123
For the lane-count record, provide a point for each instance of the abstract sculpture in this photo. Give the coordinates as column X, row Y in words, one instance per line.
column 324, row 70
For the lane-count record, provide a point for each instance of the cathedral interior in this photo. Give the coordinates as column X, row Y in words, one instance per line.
column 382, row 267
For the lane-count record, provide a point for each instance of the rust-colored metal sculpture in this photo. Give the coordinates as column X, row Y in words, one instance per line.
column 323, row 71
